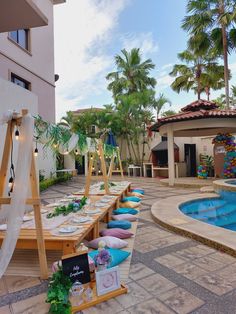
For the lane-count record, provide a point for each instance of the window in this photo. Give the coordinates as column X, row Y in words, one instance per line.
column 20, row 81
column 21, row 37
column 93, row 129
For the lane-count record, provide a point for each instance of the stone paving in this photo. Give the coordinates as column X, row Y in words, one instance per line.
column 169, row 273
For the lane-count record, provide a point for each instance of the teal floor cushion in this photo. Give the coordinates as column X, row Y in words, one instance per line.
column 131, row 199
column 117, row 256
column 123, row 224
column 124, row 210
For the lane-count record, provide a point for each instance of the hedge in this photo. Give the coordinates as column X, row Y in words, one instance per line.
column 43, row 185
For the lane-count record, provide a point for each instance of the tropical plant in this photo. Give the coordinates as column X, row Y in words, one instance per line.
column 168, row 113
column 213, row 21
column 159, row 103
column 132, row 75
column 198, row 73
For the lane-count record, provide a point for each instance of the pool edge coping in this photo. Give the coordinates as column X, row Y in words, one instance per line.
column 166, row 212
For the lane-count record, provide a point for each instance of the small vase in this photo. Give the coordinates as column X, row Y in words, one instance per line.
column 101, row 267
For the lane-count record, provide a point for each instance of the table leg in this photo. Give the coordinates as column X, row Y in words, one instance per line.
column 95, row 232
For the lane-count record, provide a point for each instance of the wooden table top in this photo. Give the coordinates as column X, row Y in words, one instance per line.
column 30, row 234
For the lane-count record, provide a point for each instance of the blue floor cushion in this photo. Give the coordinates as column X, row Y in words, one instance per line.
column 117, row 256
column 131, row 199
column 124, row 210
column 123, row 224
column 138, row 191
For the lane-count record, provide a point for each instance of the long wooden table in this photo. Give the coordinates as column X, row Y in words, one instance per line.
column 67, row 244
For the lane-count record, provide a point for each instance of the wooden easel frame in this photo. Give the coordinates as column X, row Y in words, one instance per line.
column 111, row 168
column 34, row 201
column 90, row 176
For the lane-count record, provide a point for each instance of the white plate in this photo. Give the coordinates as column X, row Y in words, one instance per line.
column 53, row 205
column 100, row 204
column 3, row 227
column 105, row 200
column 81, row 220
column 27, row 218
column 69, row 229
column 44, row 210
column 92, row 212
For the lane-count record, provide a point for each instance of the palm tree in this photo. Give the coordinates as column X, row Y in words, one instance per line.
column 197, row 74
column 132, row 74
column 215, row 20
column 159, row 103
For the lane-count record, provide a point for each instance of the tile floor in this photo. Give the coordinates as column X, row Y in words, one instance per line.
column 169, row 273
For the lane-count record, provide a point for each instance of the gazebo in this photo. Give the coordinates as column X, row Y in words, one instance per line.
column 199, row 118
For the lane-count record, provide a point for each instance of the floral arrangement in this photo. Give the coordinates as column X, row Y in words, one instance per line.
column 103, row 257
column 227, row 140
column 58, row 293
column 110, row 184
column 71, row 208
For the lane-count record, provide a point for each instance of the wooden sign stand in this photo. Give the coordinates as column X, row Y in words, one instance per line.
column 111, row 168
column 34, row 201
column 90, row 176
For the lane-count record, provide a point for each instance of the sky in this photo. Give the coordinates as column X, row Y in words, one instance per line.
column 89, row 33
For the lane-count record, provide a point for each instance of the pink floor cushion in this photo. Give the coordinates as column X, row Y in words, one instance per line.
column 116, row 232
column 130, row 204
column 128, row 217
column 111, row 242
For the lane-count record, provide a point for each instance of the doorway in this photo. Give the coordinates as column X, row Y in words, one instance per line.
column 80, row 165
column 190, row 159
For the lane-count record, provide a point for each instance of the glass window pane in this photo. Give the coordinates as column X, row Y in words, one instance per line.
column 13, row 35
column 22, row 38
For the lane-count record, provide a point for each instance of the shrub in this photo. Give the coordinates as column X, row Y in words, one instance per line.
column 43, row 185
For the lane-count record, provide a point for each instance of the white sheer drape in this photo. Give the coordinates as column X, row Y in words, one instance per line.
column 14, row 213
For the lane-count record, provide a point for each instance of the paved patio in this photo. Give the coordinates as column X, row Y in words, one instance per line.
column 169, row 273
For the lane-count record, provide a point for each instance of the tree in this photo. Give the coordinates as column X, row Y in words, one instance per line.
column 197, row 74
column 160, row 102
column 132, row 74
column 168, row 113
column 215, row 20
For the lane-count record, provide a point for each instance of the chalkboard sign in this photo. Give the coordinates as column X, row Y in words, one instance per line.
column 76, row 267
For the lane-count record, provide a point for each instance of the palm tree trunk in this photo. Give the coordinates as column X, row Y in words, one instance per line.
column 134, row 152
column 225, row 56
column 129, row 150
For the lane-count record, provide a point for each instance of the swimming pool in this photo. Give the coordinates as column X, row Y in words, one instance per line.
column 219, row 211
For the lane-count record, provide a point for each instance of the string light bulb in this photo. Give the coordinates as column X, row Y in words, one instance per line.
column 76, row 152
column 36, row 151
column 10, row 182
column 17, row 134
column 66, row 152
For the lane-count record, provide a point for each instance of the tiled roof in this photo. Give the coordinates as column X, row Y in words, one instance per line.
column 193, row 115
column 200, row 104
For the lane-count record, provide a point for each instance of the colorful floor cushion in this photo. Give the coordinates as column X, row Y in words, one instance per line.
column 137, row 194
column 116, row 232
column 128, row 217
column 118, row 256
column 130, row 204
column 123, row 224
column 111, row 242
column 131, row 199
column 124, row 210
column 138, row 191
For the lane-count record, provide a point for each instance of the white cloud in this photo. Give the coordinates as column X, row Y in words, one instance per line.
column 163, row 82
column 82, row 30
column 167, row 66
column 144, row 41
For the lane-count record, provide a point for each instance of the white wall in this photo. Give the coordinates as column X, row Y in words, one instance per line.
column 16, row 98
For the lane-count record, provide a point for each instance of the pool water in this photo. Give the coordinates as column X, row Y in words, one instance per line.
column 219, row 211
